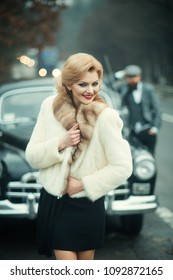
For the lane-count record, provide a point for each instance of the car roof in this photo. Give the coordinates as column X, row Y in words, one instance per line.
column 50, row 82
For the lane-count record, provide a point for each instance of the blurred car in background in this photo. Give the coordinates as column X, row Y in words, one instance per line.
column 19, row 107
column 19, row 183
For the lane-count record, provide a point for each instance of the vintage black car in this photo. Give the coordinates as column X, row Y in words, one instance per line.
column 19, row 183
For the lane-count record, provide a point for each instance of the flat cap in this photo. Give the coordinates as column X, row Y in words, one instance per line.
column 132, row 70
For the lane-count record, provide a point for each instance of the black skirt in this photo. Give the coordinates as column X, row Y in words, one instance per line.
column 71, row 224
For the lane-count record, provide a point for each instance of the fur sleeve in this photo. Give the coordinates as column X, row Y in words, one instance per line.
column 41, row 152
column 118, row 155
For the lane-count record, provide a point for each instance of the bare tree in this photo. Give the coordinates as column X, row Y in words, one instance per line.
column 26, row 24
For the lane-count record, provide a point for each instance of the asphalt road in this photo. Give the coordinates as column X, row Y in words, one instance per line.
column 155, row 242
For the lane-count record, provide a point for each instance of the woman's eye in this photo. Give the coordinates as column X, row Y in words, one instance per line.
column 95, row 84
column 82, row 84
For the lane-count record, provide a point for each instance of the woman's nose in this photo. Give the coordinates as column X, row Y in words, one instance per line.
column 90, row 89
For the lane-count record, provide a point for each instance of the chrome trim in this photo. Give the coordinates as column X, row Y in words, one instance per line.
column 23, row 187
column 131, row 205
column 119, row 192
column 28, row 177
column 21, row 195
column 19, row 185
column 22, row 190
column 27, row 210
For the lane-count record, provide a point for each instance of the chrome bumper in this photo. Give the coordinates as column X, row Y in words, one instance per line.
column 25, row 210
column 28, row 206
column 131, row 205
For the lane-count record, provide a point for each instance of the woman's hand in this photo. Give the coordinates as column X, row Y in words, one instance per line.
column 74, row 186
column 71, row 138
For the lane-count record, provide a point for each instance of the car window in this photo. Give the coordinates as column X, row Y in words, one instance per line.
column 24, row 106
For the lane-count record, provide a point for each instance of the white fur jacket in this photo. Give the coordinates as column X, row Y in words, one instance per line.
column 102, row 161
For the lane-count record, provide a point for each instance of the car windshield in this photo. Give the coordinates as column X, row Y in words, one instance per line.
column 22, row 107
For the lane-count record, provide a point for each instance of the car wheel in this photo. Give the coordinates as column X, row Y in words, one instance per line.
column 132, row 224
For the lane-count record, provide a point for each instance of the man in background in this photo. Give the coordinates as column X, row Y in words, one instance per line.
column 143, row 107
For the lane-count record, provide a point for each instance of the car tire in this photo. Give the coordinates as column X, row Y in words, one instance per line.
column 132, row 224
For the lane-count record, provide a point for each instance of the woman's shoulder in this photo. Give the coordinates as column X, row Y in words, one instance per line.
column 109, row 112
column 110, row 115
column 47, row 102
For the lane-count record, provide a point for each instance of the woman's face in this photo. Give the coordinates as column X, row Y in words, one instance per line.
column 85, row 90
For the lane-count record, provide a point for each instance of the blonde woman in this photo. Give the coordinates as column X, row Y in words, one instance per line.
column 78, row 147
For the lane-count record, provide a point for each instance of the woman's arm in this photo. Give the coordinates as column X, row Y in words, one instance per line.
column 118, row 154
column 42, row 152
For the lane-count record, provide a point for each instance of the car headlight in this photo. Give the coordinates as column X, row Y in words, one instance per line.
column 144, row 166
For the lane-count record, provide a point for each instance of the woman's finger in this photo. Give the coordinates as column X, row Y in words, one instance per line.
column 74, row 127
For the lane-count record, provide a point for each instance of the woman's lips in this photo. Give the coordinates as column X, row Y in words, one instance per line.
column 88, row 96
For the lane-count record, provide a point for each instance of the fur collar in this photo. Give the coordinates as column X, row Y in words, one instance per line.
column 85, row 115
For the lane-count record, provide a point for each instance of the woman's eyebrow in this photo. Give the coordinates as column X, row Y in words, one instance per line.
column 87, row 82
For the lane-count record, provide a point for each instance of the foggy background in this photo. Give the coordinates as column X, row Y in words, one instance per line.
column 127, row 31
column 121, row 31
column 37, row 36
